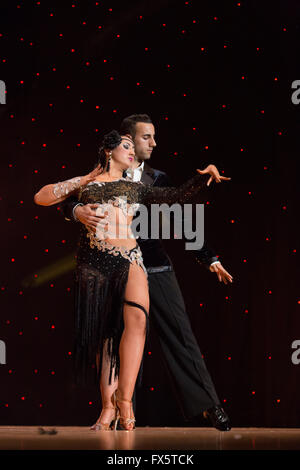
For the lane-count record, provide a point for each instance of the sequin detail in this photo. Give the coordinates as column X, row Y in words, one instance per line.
column 65, row 187
column 101, row 183
column 137, row 192
column 132, row 255
column 121, row 202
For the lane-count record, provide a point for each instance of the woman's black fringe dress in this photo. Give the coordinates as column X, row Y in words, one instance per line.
column 102, row 272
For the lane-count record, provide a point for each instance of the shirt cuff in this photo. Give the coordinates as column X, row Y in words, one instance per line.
column 73, row 211
column 214, row 262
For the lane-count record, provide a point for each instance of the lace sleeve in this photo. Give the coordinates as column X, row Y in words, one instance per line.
column 171, row 195
column 66, row 187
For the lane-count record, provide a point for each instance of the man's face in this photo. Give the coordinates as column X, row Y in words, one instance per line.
column 144, row 140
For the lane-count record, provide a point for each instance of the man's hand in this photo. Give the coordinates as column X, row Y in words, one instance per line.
column 222, row 274
column 86, row 215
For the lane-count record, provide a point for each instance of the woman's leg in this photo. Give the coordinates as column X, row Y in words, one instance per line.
column 133, row 338
column 107, row 390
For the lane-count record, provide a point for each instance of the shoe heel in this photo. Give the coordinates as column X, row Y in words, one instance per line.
column 112, row 424
column 115, row 424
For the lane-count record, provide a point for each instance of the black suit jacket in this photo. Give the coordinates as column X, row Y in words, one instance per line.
column 154, row 255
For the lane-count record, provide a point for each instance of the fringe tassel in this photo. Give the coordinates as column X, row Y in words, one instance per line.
column 98, row 319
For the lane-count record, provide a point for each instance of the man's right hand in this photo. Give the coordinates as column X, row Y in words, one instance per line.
column 86, row 215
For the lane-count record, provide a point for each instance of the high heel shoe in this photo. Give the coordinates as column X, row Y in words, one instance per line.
column 122, row 423
column 100, row 426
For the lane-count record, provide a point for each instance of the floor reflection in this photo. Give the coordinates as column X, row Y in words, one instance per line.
column 82, row 438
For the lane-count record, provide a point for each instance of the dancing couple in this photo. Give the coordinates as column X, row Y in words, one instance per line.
column 112, row 283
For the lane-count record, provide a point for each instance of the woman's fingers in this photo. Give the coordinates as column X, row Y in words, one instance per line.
column 96, row 171
column 98, row 167
column 225, row 178
column 214, row 175
column 212, row 171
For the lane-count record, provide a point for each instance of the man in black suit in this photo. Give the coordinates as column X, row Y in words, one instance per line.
column 182, row 355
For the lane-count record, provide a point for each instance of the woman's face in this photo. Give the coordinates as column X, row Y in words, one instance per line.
column 124, row 153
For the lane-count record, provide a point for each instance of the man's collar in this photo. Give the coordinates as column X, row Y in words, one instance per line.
column 140, row 167
column 147, row 172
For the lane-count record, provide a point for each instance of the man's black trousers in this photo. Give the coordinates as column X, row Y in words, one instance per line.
column 182, row 357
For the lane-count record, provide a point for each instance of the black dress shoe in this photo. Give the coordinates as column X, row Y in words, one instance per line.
column 218, row 418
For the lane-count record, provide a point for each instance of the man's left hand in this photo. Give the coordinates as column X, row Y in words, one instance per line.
column 222, row 274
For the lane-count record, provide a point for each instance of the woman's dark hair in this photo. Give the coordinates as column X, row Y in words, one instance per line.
column 128, row 125
column 110, row 141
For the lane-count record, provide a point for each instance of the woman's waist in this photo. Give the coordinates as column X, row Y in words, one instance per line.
column 122, row 244
column 117, row 232
column 126, row 244
column 108, row 247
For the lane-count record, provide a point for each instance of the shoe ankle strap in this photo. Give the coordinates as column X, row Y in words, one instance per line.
column 123, row 401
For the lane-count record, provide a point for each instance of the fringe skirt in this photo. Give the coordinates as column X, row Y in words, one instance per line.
column 100, row 281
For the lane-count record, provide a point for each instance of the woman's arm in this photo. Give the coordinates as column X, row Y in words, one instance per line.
column 57, row 192
column 185, row 192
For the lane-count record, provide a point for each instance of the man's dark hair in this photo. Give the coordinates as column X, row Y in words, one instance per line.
column 128, row 125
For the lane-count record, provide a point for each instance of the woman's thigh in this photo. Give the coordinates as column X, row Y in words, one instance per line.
column 136, row 291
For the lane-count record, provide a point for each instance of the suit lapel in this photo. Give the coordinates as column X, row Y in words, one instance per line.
column 148, row 175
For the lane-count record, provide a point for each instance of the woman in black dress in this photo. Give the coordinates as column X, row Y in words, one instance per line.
column 111, row 287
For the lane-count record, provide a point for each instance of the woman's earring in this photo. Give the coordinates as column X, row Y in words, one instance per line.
column 108, row 162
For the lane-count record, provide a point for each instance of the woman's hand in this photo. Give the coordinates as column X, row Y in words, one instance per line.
column 54, row 193
column 91, row 176
column 214, row 174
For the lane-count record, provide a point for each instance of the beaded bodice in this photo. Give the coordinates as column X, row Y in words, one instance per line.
column 122, row 198
column 136, row 192
column 104, row 192
column 117, row 203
